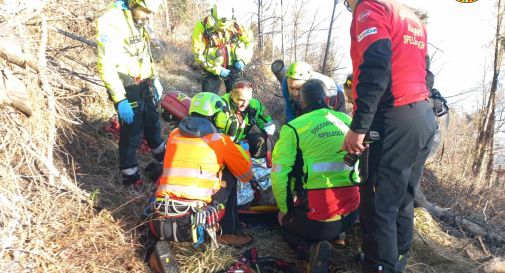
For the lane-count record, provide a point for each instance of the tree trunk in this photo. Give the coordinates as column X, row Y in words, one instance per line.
column 260, row 34
column 484, row 145
column 282, row 33
column 328, row 41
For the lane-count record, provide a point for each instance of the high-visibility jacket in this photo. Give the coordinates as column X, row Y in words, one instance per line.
column 388, row 52
column 192, row 166
column 307, row 159
column 214, row 49
column 254, row 114
column 124, row 55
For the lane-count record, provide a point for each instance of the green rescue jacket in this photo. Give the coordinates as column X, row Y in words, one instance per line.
column 214, row 49
column 124, row 54
column 308, row 153
column 255, row 114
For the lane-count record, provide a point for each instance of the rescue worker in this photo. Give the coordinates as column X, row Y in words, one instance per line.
column 126, row 67
column 245, row 112
column 296, row 75
column 308, row 164
column 201, row 169
column 388, row 51
column 222, row 47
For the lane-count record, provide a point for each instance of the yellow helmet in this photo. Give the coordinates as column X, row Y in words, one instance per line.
column 151, row 5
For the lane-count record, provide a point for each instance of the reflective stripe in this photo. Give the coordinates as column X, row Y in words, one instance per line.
column 189, row 172
column 189, row 142
column 337, row 122
column 130, row 171
column 190, row 192
column 159, row 149
column 330, row 167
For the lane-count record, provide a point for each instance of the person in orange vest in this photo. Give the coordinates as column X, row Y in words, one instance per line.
column 200, row 173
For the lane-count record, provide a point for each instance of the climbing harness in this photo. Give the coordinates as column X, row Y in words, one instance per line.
column 204, row 218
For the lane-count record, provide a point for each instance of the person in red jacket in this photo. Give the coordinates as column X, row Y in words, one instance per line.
column 388, row 51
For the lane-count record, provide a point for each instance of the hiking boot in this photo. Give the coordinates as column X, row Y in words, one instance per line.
column 161, row 260
column 234, row 239
column 320, row 257
column 402, row 263
column 154, row 170
column 131, row 179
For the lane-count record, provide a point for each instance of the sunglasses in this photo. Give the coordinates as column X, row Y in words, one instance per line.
column 241, row 85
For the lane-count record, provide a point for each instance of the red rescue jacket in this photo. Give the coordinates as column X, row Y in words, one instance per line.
column 388, row 51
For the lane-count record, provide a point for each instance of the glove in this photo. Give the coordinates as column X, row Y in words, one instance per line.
column 239, row 65
column 244, row 145
column 159, row 89
column 125, row 111
column 270, row 128
column 224, row 72
column 121, row 4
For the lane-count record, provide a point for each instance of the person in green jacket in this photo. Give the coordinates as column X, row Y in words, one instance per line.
column 309, row 165
column 222, row 47
column 245, row 112
column 126, row 67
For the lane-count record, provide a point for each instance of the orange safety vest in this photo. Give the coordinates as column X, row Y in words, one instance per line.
column 192, row 166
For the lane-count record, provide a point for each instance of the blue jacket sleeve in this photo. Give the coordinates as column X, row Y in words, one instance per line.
column 288, row 108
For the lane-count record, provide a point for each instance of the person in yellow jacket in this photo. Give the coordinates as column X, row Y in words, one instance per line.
column 126, row 67
column 222, row 47
column 201, row 168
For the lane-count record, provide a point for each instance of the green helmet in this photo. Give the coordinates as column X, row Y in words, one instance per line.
column 300, row 71
column 151, row 5
column 206, row 104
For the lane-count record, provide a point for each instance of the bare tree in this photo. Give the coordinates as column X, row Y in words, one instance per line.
column 298, row 13
column 313, row 26
column 484, row 146
column 263, row 7
column 328, row 41
column 282, row 31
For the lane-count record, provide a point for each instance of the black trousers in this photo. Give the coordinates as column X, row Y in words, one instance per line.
column 300, row 232
column 228, row 195
column 179, row 228
column 387, row 199
column 212, row 83
column 146, row 121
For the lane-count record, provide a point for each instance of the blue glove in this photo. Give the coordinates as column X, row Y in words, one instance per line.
column 244, row 145
column 125, row 111
column 224, row 72
column 121, row 4
column 239, row 65
column 158, row 87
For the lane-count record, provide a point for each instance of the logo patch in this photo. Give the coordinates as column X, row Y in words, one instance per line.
column 467, row 1
column 363, row 15
column 367, row 32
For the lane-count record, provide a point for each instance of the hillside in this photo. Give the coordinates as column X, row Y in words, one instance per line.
column 62, row 206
